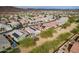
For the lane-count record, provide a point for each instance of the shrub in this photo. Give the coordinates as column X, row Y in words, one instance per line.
column 76, row 30
column 47, row 33
column 72, row 19
column 66, row 25
column 26, row 42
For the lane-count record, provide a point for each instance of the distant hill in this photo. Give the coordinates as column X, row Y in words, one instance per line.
column 10, row 9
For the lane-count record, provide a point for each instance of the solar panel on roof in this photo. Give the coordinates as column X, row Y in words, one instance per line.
column 16, row 35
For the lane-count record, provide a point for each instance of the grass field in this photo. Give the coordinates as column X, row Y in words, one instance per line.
column 52, row 44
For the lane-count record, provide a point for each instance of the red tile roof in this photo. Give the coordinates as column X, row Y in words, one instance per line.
column 75, row 48
column 50, row 24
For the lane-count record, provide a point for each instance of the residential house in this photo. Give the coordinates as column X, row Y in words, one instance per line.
column 62, row 20
column 4, row 43
column 52, row 24
column 4, row 28
column 16, row 35
column 75, row 48
column 32, row 31
column 14, row 24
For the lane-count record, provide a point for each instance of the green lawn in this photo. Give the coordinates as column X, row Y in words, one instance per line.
column 47, row 33
column 26, row 42
column 52, row 44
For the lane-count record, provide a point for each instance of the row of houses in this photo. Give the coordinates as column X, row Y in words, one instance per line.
column 9, row 39
column 22, row 27
column 33, row 31
column 21, row 33
column 54, row 23
column 16, row 21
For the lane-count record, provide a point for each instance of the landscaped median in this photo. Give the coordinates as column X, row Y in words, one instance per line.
column 52, row 45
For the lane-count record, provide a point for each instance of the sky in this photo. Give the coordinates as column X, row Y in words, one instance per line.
column 50, row 7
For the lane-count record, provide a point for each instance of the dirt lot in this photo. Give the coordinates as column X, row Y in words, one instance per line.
column 43, row 40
